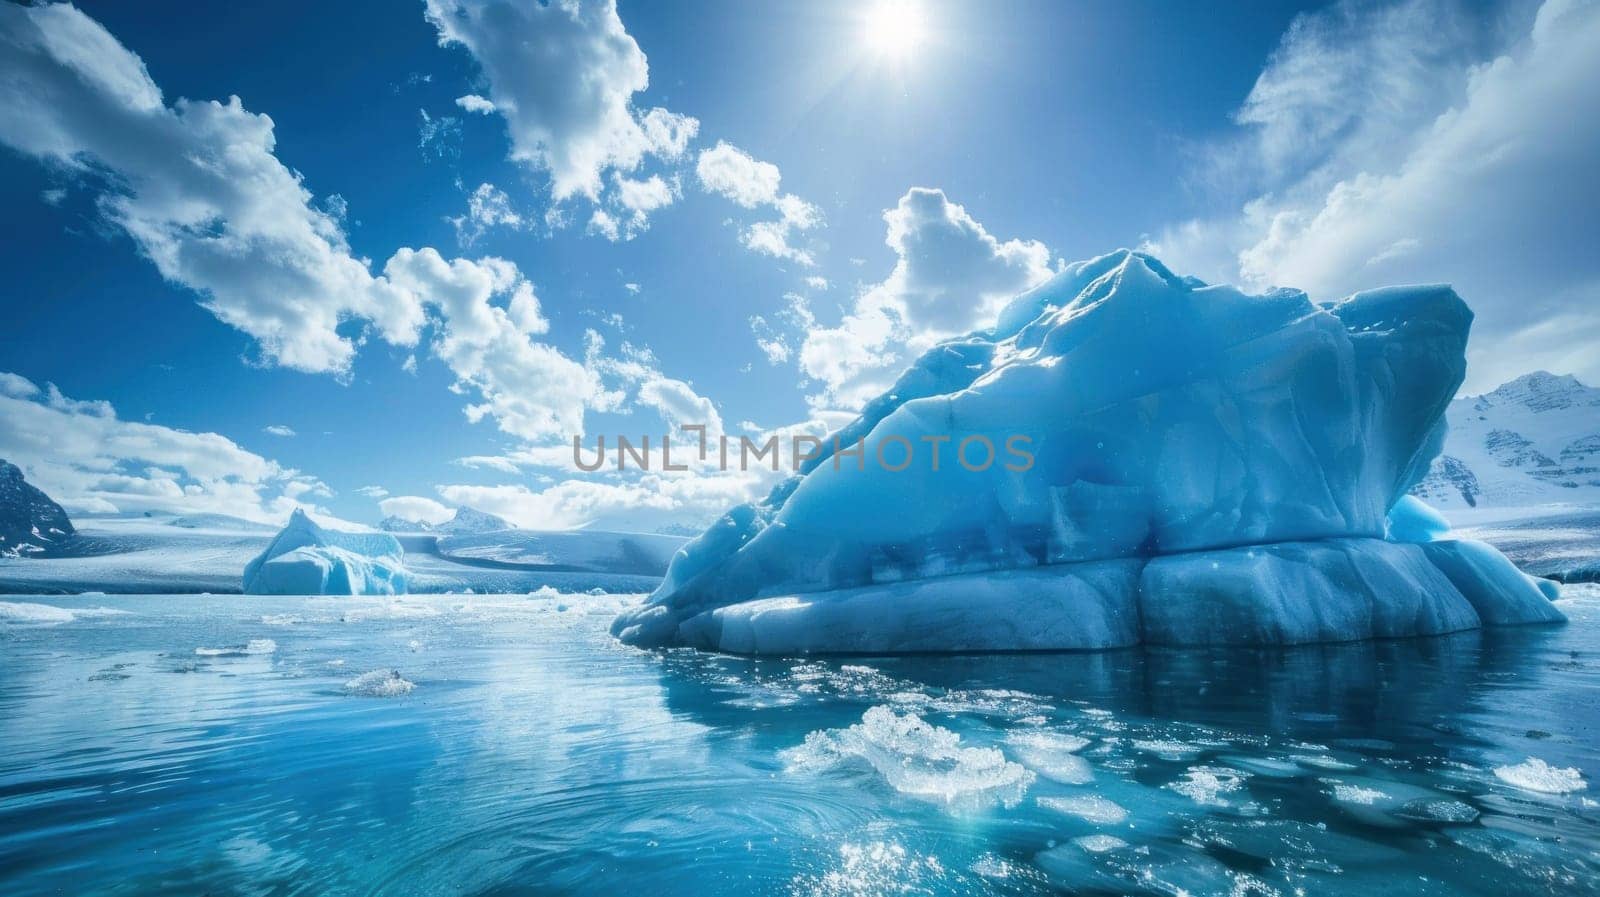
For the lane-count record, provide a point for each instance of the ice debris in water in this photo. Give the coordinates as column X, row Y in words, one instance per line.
column 379, row 684
column 1100, row 843
column 916, row 759
column 1539, row 776
column 1052, row 755
column 1205, row 785
column 1088, row 807
column 254, row 646
column 1203, row 466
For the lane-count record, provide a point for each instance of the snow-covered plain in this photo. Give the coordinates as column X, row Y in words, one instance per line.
column 170, row 555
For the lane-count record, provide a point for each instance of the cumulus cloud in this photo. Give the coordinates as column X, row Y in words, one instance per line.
column 1435, row 161
column 489, row 315
column 629, row 204
column 415, row 508
column 951, row 276
column 750, row 183
column 197, row 187
column 563, row 76
column 84, row 456
column 474, row 103
column 278, row 430
column 487, row 207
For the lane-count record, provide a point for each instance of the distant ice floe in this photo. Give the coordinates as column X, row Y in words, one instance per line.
column 917, row 759
column 380, row 684
column 255, row 646
column 1538, row 776
column 26, row 613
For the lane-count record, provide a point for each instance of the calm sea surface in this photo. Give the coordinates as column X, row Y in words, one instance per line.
column 506, row 745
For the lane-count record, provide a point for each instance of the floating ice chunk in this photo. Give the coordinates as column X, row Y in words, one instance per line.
column 1538, row 776
column 1100, row 843
column 1442, row 810
column 1166, row 748
column 306, row 559
column 917, row 759
column 1205, row 785
column 1166, row 423
column 1088, row 807
column 254, row 646
column 25, row 612
column 379, row 684
column 1052, row 755
column 1390, row 804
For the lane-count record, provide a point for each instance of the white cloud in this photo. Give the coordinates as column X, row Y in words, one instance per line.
column 629, row 204
column 751, row 183
column 474, row 103
column 1479, row 173
column 488, row 206
column 373, row 492
column 950, row 277
column 736, row 175
column 488, row 316
column 81, row 454
column 415, row 508
column 278, row 430
column 563, row 76
column 197, row 187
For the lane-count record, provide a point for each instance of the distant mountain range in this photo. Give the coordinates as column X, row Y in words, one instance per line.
column 467, row 521
column 1533, row 441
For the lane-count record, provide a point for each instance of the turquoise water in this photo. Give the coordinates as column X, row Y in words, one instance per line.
column 516, row 749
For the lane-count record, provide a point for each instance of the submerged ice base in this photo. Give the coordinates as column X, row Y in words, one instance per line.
column 1207, row 467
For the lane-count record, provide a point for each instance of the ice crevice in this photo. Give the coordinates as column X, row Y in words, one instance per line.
column 1210, row 467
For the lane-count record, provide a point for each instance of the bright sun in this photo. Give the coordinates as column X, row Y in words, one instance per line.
column 893, row 29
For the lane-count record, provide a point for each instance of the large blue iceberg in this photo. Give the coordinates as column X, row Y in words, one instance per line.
column 307, row 559
column 1204, row 466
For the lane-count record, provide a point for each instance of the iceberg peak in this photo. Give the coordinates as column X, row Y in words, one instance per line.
column 1193, row 464
column 305, row 558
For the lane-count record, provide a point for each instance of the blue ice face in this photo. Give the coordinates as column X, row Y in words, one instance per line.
column 306, row 559
column 1116, row 412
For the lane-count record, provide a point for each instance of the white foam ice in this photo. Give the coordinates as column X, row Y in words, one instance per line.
column 916, row 759
column 1100, row 843
column 1205, row 785
column 384, row 683
column 253, row 647
column 1538, row 776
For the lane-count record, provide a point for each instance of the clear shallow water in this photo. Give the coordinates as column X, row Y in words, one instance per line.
column 532, row 755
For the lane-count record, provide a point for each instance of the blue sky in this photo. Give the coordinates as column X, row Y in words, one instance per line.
column 514, row 223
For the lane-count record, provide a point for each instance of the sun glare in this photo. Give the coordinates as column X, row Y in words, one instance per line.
column 894, row 29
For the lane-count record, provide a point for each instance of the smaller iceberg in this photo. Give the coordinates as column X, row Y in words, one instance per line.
column 307, row 559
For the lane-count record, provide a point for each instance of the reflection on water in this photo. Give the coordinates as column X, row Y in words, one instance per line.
column 536, row 756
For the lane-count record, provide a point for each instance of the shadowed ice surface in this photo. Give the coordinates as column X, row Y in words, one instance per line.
column 507, row 745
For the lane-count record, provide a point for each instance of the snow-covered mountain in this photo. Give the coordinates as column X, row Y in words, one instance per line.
column 30, row 522
column 1533, row 441
column 466, row 522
